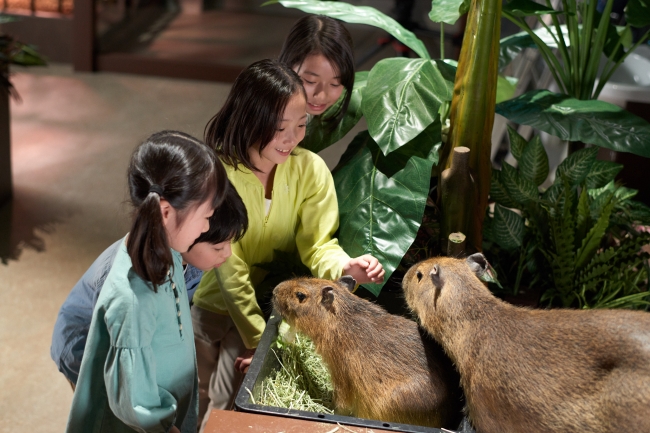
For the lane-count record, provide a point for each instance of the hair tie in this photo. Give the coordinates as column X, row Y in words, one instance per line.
column 156, row 189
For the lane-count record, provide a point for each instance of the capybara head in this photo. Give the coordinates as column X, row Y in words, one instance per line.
column 308, row 302
column 443, row 283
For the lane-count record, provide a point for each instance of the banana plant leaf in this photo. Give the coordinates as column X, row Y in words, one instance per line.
column 358, row 15
column 381, row 213
column 637, row 13
column 448, row 11
column 593, row 122
column 319, row 136
column 402, row 98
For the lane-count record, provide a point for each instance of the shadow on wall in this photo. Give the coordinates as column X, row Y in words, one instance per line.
column 25, row 218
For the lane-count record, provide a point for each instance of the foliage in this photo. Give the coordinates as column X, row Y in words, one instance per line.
column 17, row 53
column 579, row 241
column 581, row 37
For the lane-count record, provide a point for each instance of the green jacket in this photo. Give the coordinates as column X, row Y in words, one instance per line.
column 304, row 215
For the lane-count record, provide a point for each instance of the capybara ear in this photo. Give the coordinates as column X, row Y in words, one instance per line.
column 327, row 297
column 348, row 282
column 478, row 264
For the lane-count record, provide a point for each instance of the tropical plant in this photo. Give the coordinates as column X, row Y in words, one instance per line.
column 579, row 242
column 384, row 179
column 582, row 49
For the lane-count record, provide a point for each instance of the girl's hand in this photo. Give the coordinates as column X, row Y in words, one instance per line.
column 244, row 361
column 365, row 269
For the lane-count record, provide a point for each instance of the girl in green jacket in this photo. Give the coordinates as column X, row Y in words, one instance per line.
column 291, row 202
column 138, row 371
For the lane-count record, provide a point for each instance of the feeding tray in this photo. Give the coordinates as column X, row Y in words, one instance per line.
column 266, row 363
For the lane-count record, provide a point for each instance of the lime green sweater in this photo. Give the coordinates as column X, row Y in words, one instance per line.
column 303, row 216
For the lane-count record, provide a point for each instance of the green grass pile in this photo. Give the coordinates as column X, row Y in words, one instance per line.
column 302, row 382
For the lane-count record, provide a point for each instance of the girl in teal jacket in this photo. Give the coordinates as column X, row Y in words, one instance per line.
column 139, row 366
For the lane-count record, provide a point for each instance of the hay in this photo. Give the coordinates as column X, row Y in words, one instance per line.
column 302, row 382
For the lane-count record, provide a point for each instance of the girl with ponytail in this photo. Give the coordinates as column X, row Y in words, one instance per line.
column 139, row 370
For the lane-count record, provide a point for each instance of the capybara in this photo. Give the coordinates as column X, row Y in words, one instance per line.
column 534, row 370
column 383, row 366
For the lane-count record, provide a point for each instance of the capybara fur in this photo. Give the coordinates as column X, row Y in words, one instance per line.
column 383, row 366
column 534, row 370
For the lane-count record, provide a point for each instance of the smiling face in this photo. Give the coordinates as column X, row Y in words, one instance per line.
column 206, row 256
column 321, row 81
column 182, row 232
column 290, row 132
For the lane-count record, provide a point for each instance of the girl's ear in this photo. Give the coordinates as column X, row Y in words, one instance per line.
column 168, row 213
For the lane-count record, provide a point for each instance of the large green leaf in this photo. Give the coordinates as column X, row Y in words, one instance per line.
column 524, row 8
column 637, row 13
column 576, row 166
column 593, row 122
column 319, row 135
column 601, row 173
column 359, row 15
column 380, row 215
column 507, row 227
column 402, row 99
column 448, row 11
column 533, row 164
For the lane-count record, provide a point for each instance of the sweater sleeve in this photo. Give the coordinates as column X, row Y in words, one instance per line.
column 130, row 369
column 318, row 220
column 239, row 296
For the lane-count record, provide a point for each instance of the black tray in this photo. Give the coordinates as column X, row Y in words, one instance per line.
column 264, row 362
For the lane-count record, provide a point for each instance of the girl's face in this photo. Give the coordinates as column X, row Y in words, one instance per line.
column 290, row 132
column 321, row 82
column 206, row 256
column 183, row 233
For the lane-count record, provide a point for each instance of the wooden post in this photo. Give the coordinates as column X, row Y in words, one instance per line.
column 458, row 196
column 83, row 36
column 6, row 188
column 456, row 245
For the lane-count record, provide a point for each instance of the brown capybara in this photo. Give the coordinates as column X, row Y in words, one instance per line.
column 525, row 370
column 383, row 366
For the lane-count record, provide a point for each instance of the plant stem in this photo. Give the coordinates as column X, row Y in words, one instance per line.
column 587, row 57
column 596, row 49
column 606, row 76
column 564, row 52
column 550, row 59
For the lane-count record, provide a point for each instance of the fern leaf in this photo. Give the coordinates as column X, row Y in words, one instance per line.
column 592, row 241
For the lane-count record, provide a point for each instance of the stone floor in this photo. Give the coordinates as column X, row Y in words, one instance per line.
column 72, row 135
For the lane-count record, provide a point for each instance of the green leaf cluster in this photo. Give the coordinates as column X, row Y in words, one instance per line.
column 572, row 41
column 580, row 241
column 16, row 53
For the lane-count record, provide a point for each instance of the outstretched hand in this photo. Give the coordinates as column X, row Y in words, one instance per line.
column 244, row 361
column 365, row 269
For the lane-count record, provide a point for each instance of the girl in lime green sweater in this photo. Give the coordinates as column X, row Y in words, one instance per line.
column 291, row 202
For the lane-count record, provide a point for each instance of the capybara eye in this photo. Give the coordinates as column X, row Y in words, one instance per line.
column 301, row 296
column 419, row 275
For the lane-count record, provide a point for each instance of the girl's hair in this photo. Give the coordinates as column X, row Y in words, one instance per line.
column 228, row 222
column 176, row 167
column 253, row 111
column 318, row 34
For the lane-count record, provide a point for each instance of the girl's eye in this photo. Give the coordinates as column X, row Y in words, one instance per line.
column 302, row 126
column 309, row 82
column 336, row 85
column 280, row 129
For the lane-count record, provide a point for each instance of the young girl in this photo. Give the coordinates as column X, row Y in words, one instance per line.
column 319, row 49
column 291, row 201
column 138, row 371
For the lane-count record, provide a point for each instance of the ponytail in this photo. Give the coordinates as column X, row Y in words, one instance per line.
column 176, row 167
